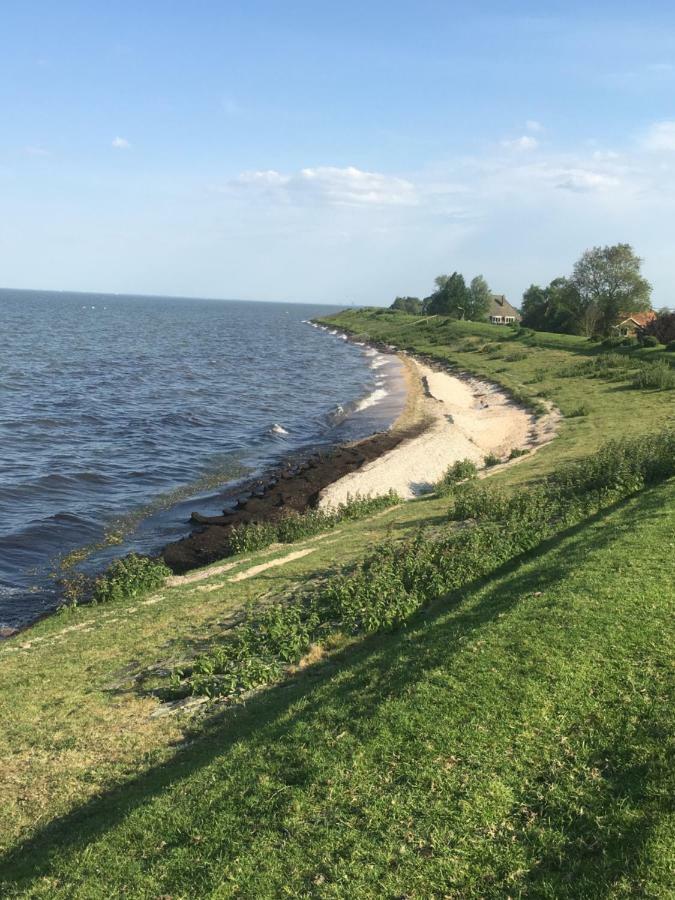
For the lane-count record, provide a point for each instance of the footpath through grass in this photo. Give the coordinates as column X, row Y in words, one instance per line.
column 513, row 738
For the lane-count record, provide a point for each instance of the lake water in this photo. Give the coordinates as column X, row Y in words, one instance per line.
column 120, row 415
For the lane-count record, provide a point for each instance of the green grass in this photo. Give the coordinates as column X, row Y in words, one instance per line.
column 517, row 742
column 511, row 739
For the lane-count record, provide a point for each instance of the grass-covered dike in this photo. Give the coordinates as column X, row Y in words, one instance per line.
column 467, row 695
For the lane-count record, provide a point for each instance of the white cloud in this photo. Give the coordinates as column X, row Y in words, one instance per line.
column 533, row 125
column 120, row 143
column 660, row 136
column 336, row 186
column 584, row 181
column 268, row 177
column 352, row 186
column 526, row 142
column 36, row 151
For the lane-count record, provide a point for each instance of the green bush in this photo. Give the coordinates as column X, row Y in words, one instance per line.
column 649, row 340
column 658, row 376
column 517, row 355
column 517, row 452
column 292, row 527
column 629, row 341
column 252, row 536
column 130, row 576
column 462, row 470
column 582, row 410
column 670, row 346
column 491, row 460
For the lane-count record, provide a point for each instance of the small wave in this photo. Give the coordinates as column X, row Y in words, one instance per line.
column 377, row 395
column 378, row 362
column 278, row 429
column 340, row 413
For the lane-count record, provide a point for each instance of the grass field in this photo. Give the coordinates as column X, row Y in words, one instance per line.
column 514, row 739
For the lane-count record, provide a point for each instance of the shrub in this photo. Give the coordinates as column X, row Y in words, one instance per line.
column 398, row 579
column 491, row 460
column 517, row 355
column 130, row 576
column 292, row 527
column 670, row 346
column 658, row 376
column 517, row 452
column 662, row 327
column 614, row 341
column 582, row 410
column 605, row 365
column 629, row 341
column 462, row 470
column 252, row 536
column 649, row 340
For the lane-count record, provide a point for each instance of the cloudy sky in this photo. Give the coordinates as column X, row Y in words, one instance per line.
column 332, row 152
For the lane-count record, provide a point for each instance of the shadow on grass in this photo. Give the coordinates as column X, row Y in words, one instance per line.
column 394, row 660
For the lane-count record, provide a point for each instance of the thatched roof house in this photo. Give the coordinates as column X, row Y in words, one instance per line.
column 500, row 311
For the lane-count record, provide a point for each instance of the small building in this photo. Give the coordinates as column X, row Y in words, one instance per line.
column 500, row 311
column 633, row 323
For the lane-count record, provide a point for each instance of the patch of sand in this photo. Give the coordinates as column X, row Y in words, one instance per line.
column 273, row 563
column 467, row 419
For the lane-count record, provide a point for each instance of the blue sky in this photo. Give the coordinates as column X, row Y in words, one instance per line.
column 331, row 152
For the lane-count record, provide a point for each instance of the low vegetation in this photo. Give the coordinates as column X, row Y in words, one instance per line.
column 295, row 526
column 462, row 470
column 398, row 579
column 468, row 695
column 129, row 577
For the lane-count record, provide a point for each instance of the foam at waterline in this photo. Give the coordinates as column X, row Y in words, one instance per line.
column 377, row 395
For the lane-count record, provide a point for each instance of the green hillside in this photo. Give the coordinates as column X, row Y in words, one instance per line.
column 508, row 734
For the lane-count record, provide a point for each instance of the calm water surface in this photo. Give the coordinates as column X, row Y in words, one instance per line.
column 120, row 415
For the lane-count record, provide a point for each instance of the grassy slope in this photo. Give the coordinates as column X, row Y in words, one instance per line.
column 429, row 761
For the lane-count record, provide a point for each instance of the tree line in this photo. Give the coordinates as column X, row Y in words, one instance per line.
column 606, row 283
column 452, row 297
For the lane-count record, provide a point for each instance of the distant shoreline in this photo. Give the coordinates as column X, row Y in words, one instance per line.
column 446, row 418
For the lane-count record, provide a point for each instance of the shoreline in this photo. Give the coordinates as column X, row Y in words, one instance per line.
column 294, row 487
column 446, row 417
column 468, row 418
column 439, row 424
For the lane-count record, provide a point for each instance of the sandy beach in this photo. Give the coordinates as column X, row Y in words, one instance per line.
column 446, row 418
column 463, row 418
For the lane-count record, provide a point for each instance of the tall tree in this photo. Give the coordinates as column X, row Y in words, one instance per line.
column 608, row 281
column 450, row 298
column 557, row 307
column 411, row 305
column 479, row 299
